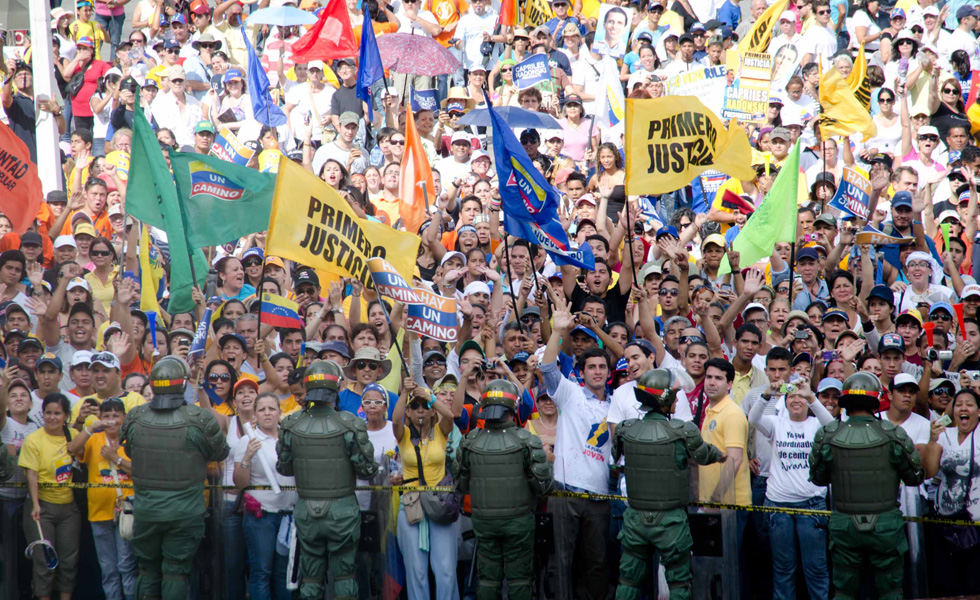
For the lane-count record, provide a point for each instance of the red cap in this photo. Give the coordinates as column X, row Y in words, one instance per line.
column 200, row 7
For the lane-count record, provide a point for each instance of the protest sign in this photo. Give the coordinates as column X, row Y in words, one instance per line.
column 784, row 64
column 423, row 100
column 532, row 71
column 435, row 317
column 313, row 225
column 853, row 194
column 870, row 235
column 227, row 147
column 612, row 38
column 671, row 140
column 388, row 282
column 747, row 98
column 708, row 84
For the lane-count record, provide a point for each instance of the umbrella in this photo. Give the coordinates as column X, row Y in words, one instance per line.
column 415, row 55
column 282, row 16
column 513, row 115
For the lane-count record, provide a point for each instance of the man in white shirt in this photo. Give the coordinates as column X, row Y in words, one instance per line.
column 475, row 27
column 963, row 38
column 787, row 33
column 308, row 104
column 343, row 149
column 685, row 59
column 819, row 42
column 456, row 166
column 902, row 396
column 176, row 109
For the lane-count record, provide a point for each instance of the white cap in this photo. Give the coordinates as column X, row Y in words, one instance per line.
column 113, row 71
column 946, row 214
column 788, row 15
column 754, row 306
column 454, row 253
column 81, row 357
column 927, row 130
column 107, row 359
column 931, row 10
column 115, row 209
column 78, row 282
column 461, row 136
column 930, row 48
column 316, row 64
column 970, row 290
column 792, row 117
column 64, row 240
column 904, row 379
column 479, row 154
column 476, row 287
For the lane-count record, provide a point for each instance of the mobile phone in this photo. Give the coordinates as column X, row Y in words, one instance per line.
column 348, row 290
column 829, row 355
column 946, row 420
column 183, row 342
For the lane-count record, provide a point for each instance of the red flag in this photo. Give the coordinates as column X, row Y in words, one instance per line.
column 332, row 37
column 415, row 173
column 959, row 317
column 20, row 188
column 508, row 13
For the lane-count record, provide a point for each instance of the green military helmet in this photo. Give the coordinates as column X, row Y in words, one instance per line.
column 861, row 391
column 322, row 381
column 168, row 380
column 499, row 400
column 655, row 389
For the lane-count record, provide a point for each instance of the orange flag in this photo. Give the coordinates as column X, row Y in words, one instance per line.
column 415, row 173
column 20, row 188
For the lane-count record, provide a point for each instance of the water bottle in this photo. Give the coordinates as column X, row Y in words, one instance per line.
column 903, row 70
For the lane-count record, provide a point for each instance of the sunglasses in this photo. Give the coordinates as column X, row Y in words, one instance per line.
column 415, row 405
column 692, row 339
column 905, row 43
column 507, row 70
column 928, row 138
column 941, row 317
column 366, row 364
column 205, row 45
column 171, row 51
column 823, row 12
column 219, row 377
column 950, row 91
column 530, row 319
column 433, row 362
column 669, row 292
column 941, row 392
column 99, row 253
column 252, row 262
column 373, row 402
column 397, row 142
column 886, row 100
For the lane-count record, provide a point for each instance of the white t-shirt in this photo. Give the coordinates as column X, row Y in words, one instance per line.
column 961, row 40
column 954, row 470
column 471, row 29
column 862, row 19
column 382, row 440
column 820, row 42
column 407, row 26
column 789, row 467
column 271, row 501
column 624, row 405
column 917, row 427
column 13, row 434
column 304, row 102
column 36, row 415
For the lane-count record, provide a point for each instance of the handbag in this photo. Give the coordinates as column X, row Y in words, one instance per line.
column 440, row 507
column 963, row 537
column 75, row 84
column 123, row 515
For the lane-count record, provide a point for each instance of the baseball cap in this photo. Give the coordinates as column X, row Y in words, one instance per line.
column 891, row 341
column 106, row 359
column 622, row 365
column 454, row 253
column 942, row 306
column 883, row 292
column 829, row 383
column 650, row 268
column 232, row 75
column 531, row 311
column 788, row 15
column 81, row 357
column 970, row 290
column 931, row 10
column 349, row 118
column 64, row 240
column 246, row 381
column 935, row 383
column 307, row 276
column 966, row 11
column 884, row 159
column 176, row 72
column 781, row 133
column 472, row 345
column 808, row 252
column 902, row 199
column 834, row 313
column 904, row 379
column 78, row 282
column 667, row 230
column 204, row 125
column 228, row 337
column 910, row 313
column 586, row 331
column 30, row 341
column 30, row 238
column 586, row 198
column 49, row 359
column 716, row 239
column 826, row 218
column 519, row 357
column 927, row 130
column 316, row 64
column 461, row 136
column 697, row 27
column 337, row 346
column 755, row 306
column 200, row 7
column 178, row 18
column 948, row 214
column 897, row 13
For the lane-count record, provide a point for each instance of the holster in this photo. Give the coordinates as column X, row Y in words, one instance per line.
column 864, row 523
column 318, row 508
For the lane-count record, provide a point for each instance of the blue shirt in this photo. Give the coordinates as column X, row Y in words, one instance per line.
column 556, row 26
column 245, row 292
column 730, row 14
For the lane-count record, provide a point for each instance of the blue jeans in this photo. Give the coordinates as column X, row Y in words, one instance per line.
column 441, row 556
column 267, row 569
column 235, row 556
column 808, row 533
column 117, row 561
column 113, row 25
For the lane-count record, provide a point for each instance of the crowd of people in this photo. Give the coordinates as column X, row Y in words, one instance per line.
column 759, row 357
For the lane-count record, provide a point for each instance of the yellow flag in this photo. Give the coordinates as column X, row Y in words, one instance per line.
column 314, row 226
column 150, row 274
column 857, row 80
column 759, row 36
column 673, row 139
column 842, row 112
column 536, row 12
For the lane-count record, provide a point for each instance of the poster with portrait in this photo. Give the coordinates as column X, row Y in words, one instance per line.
column 785, row 64
column 612, row 34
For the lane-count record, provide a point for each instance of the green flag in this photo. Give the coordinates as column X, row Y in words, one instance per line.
column 774, row 220
column 151, row 197
column 222, row 201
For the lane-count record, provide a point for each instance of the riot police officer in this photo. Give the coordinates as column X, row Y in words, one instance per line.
column 864, row 459
column 326, row 450
column 658, row 487
column 505, row 470
column 171, row 444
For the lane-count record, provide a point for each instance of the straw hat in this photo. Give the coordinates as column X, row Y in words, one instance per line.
column 458, row 96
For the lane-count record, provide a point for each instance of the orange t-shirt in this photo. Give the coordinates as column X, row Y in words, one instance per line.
column 101, row 224
column 447, row 12
column 967, row 266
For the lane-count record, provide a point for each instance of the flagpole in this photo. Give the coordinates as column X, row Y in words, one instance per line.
column 510, row 278
column 259, row 292
column 792, row 261
column 392, row 332
column 629, row 232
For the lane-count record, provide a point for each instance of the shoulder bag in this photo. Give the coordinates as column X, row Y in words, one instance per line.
column 440, row 507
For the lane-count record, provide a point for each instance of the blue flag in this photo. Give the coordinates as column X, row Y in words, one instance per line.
column 201, row 335
column 529, row 203
column 264, row 110
column 369, row 68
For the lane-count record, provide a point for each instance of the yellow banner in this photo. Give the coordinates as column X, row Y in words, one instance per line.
column 673, row 139
column 314, row 226
column 759, row 36
column 842, row 112
column 536, row 12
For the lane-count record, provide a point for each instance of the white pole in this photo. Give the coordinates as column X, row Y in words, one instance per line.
column 48, row 155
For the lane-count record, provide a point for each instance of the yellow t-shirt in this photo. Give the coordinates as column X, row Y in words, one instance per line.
column 102, row 292
column 102, row 501
column 48, row 456
column 433, row 452
column 90, row 29
column 725, row 426
column 289, row 406
column 130, row 400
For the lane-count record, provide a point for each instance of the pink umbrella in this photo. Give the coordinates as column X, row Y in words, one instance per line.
column 415, row 55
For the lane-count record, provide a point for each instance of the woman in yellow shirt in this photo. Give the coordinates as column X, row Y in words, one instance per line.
column 103, row 255
column 45, row 459
column 422, row 430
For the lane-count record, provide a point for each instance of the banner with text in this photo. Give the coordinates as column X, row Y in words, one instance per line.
column 435, row 317
column 708, row 84
column 671, row 140
column 870, row 235
column 423, row 100
column 853, row 194
column 532, row 71
column 314, row 226
column 747, row 97
column 227, row 147
column 389, row 283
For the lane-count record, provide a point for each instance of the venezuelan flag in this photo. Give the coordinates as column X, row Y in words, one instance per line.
column 279, row 312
